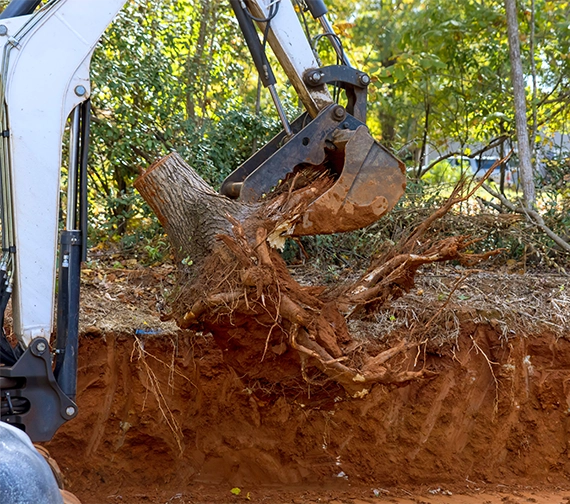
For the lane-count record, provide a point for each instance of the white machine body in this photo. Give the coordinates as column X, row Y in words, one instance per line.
column 295, row 55
column 45, row 68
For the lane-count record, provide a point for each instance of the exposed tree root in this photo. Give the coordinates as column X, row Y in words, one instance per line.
column 270, row 327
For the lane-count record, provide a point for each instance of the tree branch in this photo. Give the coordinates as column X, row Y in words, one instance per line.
column 495, row 142
column 532, row 216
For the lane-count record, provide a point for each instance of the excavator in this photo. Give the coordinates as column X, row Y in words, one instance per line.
column 45, row 102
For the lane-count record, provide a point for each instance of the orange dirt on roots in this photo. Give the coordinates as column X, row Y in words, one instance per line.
column 167, row 416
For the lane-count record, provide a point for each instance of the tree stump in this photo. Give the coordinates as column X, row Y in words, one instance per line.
column 239, row 289
column 190, row 211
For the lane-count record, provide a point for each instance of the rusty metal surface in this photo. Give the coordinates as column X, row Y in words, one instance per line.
column 371, row 183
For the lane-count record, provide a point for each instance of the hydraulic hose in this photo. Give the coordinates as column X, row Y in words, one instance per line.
column 20, row 8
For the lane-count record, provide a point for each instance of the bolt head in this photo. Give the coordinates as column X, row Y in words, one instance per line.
column 70, row 411
column 41, row 347
column 80, row 90
column 315, row 76
column 3, row 30
column 339, row 112
column 364, row 79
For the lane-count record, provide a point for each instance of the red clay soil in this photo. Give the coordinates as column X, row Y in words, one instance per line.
column 165, row 419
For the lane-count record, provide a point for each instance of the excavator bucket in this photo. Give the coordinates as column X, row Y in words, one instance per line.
column 370, row 184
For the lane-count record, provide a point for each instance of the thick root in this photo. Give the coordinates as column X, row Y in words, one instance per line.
column 283, row 316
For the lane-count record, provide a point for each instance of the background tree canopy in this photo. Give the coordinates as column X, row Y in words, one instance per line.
column 176, row 75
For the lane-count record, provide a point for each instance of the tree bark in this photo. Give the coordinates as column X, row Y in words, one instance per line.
column 517, row 77
column 190, row 211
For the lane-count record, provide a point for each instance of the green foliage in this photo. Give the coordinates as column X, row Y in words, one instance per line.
column 556, row 193
column 221, row 144
column 176, row 75
column 441, row 73
column 443, row 173
column 167, row 76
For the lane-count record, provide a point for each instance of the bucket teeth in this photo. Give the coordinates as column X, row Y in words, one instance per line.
column 370, row 184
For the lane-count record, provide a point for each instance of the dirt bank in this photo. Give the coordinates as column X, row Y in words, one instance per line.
column 164, row 413
column 164, row 418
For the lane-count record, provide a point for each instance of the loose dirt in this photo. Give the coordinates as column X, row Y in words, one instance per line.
column 164, row 418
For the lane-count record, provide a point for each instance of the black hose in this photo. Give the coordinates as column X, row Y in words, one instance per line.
column 20, row 8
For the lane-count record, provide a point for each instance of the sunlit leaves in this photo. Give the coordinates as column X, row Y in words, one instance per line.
column 164, row 76
column 443, row 65
column 176, row 75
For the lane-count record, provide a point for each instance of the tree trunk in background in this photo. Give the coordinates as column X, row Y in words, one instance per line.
column 517, row 78
column 197, row 70
column 424, row 148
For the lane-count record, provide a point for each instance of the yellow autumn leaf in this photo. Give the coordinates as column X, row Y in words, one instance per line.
column 341, row 28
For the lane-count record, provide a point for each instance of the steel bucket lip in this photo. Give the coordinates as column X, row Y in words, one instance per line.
column 370, row 184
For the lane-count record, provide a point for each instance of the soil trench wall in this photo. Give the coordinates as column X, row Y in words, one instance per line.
column 169, row 411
